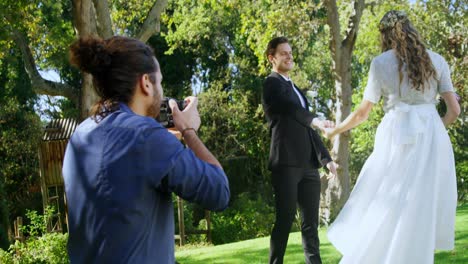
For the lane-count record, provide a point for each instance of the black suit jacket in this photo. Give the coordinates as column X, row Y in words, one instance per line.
column 293, row 142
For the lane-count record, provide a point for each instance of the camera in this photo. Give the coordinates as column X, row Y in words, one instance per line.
column 165, row 113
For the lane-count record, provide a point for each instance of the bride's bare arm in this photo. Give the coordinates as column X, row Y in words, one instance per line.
column 354, row 119
column 453, row 108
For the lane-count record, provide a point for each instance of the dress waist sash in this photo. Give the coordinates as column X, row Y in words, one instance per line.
column 409, row 121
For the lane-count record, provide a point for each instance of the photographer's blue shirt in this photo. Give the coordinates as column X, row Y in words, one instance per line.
column 119, row 175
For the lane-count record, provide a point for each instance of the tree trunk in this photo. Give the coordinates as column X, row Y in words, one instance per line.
column 85, row 25
column 335, row 192
column 88, row 96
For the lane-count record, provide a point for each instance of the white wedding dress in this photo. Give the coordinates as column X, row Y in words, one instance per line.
column 403, row 205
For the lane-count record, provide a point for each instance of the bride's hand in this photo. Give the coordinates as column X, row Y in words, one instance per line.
column 329, row 133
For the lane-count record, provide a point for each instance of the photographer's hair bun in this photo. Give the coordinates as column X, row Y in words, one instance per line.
column 90, row 55
column 116, row 64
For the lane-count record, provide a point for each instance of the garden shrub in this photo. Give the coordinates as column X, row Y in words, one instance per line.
column 247, row 218
column 49, row 248
column 39, row 247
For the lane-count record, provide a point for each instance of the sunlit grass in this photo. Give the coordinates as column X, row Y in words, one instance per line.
column 460, row 253
column 256, row 250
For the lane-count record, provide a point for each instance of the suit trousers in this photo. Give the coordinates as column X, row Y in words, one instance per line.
column 293, row 186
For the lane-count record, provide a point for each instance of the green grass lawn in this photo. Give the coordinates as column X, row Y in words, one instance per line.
column 256, row 250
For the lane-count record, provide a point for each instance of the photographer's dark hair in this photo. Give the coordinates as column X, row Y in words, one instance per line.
column 115, row 64
column 273, row 44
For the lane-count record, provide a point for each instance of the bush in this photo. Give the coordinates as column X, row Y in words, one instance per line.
column 50, row 248
column 462, row 179
column 40, row 247
column 4, row 221
column 38, row 223
column 247, row 218
column 193, row 219
column 234, row 130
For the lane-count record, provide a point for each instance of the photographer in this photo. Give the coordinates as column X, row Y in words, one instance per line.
column 121, row 166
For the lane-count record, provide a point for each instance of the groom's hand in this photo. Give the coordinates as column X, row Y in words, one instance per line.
column 327, row 124
column 322, row 124
column 331, row 166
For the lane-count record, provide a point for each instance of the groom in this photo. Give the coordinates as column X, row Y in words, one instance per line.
column 296, row 153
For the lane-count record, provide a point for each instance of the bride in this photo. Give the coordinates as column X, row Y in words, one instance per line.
column 403, row 205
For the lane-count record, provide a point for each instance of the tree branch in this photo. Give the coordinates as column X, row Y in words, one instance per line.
column 371, row 6
column 39, row 84
column 353, row 24
column 152, row 25
column 103, row 17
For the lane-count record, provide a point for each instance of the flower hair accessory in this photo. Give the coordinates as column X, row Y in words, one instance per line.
column 391, row 18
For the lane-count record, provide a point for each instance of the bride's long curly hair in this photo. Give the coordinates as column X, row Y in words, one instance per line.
column 398, row 33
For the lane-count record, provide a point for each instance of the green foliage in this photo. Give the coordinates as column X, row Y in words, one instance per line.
column 48, row 30
column 362, row 141
column 50, row 248
column 177, row 68
column 248, row 217
column 461, row 162
column 318, row 79
column 37, row 223
column 235, row 132
column 194, row 219
column 20, row 131
column 4, row 221
column 19, row 128
column 229, row 37
column 200, row 29
column 40, row 247
column 128, row 15
column 48, row 26
column 301, row 21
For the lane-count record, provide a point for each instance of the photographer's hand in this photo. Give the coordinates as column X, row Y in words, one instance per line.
column 187, row 118
column 188, row 122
